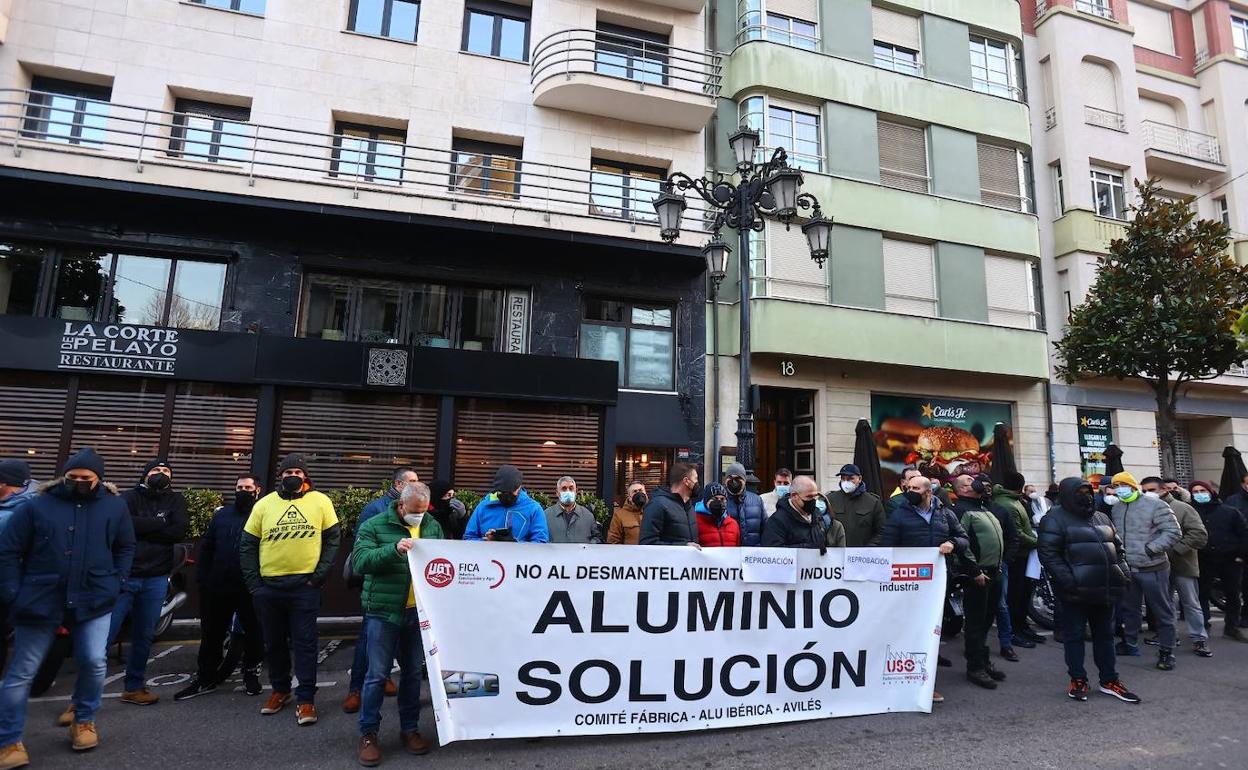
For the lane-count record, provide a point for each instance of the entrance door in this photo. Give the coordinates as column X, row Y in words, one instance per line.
column 785, row 425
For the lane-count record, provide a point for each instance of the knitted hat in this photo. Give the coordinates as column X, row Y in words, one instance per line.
column 1014, row 481
column 153, row 464
column 1125, row 478
column 85, row 460
column 292, row 461
column 735, row 469
column 14, row 473
column 508, row 478
column 714, row 489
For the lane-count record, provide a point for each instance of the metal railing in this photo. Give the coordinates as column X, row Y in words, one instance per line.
column 262, row 154
column 1041, row 6
column 890, row 60
column 1004, row 90
column 1100, row 8
column 573, row 51
column 1180, row 141
column 1095, row 116
column 779, row 35
column 1050, row 118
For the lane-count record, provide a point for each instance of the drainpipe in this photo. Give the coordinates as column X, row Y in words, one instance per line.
column 715, row 379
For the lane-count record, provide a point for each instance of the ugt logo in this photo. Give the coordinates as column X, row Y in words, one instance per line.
column 439, row 573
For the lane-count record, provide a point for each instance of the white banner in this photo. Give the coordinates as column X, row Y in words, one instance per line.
column 530, row 640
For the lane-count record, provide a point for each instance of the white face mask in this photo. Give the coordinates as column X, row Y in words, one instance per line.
column 1110, row 499
column 1034, row 495
column 848, row 486
column 1153, row 495
column 413, row 519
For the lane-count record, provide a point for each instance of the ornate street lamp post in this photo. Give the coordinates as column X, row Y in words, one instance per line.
column 771, row 189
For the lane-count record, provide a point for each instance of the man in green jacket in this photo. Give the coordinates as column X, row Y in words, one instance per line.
column 859, row 511
column 982, row 589
column 1009, row 499
column 389, row 603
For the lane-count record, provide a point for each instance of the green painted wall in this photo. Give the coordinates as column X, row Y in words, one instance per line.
column 852, row 142
column 954, row 159
column 960, row 282
column 725, row 27
column 845, row 29
column 946, row 50
column 856, row 264
column 996, row 15
column 721, row 126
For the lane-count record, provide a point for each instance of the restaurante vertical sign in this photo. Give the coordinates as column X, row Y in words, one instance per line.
column 93, row 347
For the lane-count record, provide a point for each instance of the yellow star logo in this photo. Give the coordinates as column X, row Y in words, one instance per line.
column 929, row 412
column 1083, row 422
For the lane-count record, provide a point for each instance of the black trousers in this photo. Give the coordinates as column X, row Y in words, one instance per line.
column 980, row 603
column 1231, row 574
column 217, row 608
column 1018, row 596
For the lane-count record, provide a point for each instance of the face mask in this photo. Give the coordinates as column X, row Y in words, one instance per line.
column 848, row 486
column 735, row 486
column 696, row 492
column 413, row 519
column 1124, row 491
column 914, row 498
column 716, row 507
column 508, row 499
column 1034, row 496
column 567, row 497
column 977, row 487
column 157, row 481
column 291, row 484
column 244, row 500
column 782, row 490
column 1110, row 499
column 79, row 489
column 1084, row 501
column 639, row 499
column 811, row 507
column 820, row 505
column 1202, row 497
column 1153, row 495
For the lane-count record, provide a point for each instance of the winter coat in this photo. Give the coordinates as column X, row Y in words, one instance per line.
column 770, row 500
column 218, row 566
column 906, row 528
column 861, row 514
column 387, row 577
column 668, row 520
column 380, row 505
column 10, row 504
column 1227, row 528
column 1081, row 551
column 1016, row 507
column 452, row 516
column 1148, row 528
column 748, row 510
column 1184, row 561
column 787, row 528
column 61, row 555
column 625, row 526
column 716, row 531
column 984, row 530
column 580, row 527
column 525, row 519
column 160, row 522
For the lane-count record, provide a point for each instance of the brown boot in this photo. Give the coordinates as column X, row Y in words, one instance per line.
column 83, row 736
column 13, row 756
column 139, row 697
column 414, row 742
column 392, row 689
column 352, row 703
column 369, row 753
column 66, row 717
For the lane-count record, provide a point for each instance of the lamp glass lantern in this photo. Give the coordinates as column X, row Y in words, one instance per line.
column 818, row 232
column 784, row 184
column 670, row 207
column 744, row 143
column 716, row 254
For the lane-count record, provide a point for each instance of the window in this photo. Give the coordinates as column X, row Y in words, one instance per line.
column 1059, row 192
column 1224, row 212
column 497, row 29
column 1000, row 183
column 903, row 156
column 909, row 278
column 638, row 336
column 993, row 67
column 632, row 54
column 61, row 111
column 246, row 6
column 404, row 313
column 368, row 153
column 1109, row 193
column 790, row 31
column 897, row 59
column 211, row 132
column 1153, row 29
column 398, row 19
column 624, row 190
column 485, row 168
column 1239, row 32
column 20, row 266
column 794, row 130
column 896, row 37
column 1100, row 8
column 139, row 289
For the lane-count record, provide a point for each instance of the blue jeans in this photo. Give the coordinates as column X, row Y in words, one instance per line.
column 30, row 644
column 1153, row 588
column 141, row 598
column 1101, row 618
column 386, row 642
column 359, row 664
column 1005, row 629
column 288, row 617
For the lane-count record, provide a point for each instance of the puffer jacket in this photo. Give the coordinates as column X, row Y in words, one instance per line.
column 1081, row 551
column 1184, row 560
column 219, row 566
column 750, row 513
column 668, row 520
column 1227, row 528
column 862, row 515
column 716, row 531
column 1018, row 509
column 160, row 522
column 387, row 577
column 906, row 528
column 1148, row 529
column 983, row 530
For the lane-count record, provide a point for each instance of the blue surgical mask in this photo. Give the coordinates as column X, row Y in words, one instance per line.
column 1202, row 497
column 782, row 490
column 1123, row 491
column 820, row 504
column 567, row 497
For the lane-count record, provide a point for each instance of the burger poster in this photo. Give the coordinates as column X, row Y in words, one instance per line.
column 942, row 437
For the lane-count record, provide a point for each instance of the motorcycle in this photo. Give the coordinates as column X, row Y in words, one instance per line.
column 1041, row 609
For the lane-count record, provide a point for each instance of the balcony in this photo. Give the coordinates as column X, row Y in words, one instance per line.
column 617, row 76
column 1096, row 116
column 129, row 144
column 1174, row 151
column 1082, row 230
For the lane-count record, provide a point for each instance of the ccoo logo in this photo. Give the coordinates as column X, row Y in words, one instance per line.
column 439, row 573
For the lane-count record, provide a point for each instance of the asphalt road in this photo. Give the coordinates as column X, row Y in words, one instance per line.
column 1193, row 717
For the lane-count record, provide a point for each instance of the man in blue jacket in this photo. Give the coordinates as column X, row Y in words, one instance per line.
column 745, row 506
column 16, row 487
column 63, row 558
column 508, row 513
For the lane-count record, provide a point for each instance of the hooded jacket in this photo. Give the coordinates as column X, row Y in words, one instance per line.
column 1017, row 508
column 525, row 518
column 984, row 530
column 716, row 531
column 668, row 520
column 861, row 514
column 1080, row 549
column 1226, row 526
column 160, row 522
column 59, row 555
column 1147, row 528
column 387, row 577
column 787, row 528
column 10, row 504
column 625, row 527
column 1184, row 561
column 451, row 514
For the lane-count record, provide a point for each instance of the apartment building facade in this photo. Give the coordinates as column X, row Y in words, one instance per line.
column 1122, row 91
column 909, row 123
column 377, row 232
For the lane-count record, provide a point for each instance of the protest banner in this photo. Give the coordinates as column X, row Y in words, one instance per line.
column 541, row 640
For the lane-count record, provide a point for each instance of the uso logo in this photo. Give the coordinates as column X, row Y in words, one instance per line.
column 439, row 573
column 905, row 572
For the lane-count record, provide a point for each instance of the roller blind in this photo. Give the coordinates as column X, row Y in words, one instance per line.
column 896, row 28
column 121, row 419
column 1009, row 291
column 998, row 176
column 545, row 441
column 807, row 10
column 1158, row 111
column 794, row 275
column 909, row 278
column 212, row 435
column 1152, row 27
column 903, row 156
column 1099, row 88
column 1200, row 33
column 34, row 413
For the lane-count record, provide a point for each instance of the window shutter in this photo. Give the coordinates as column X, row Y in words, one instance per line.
column 909, row 278
column 212, row 433
column 122, row 420
column 1152, row 27
column 1100, row 90
column 1158, row 112
column 806, row 10
column 575, row 430
column 794, row 275
column 33, row 406
column 1201, row 34
column 1009, row 291
column 998, row 176
column 896, row 28
column 903, row 157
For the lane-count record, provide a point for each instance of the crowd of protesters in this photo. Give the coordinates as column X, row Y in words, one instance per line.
column 77, row 553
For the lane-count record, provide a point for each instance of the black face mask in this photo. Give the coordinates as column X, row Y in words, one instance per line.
column 244, row 500
column 716, row 507
column 292, row 484
column 158, row 481
column 811, row 506
column 977, row 487
column 79, row 490
column 696, row 492
column 639, row 499
column 508, row 499
column 1083, row 502
column 735, row 486
column 914, row 498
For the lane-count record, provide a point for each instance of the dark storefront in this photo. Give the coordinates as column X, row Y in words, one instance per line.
column 224, row 334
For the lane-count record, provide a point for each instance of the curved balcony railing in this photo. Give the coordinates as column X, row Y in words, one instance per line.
column 589, row 51
column 1180, row 141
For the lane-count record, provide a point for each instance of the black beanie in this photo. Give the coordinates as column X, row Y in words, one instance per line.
column 439, row 488
column 14, row 473
column 292, row 461
column 1014, row 481
column 150, row 464
column 507, row 479
column 87, row 459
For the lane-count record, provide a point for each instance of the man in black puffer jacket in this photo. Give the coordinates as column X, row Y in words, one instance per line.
column 160, row 522
column 1083, row 554
column 668, row 518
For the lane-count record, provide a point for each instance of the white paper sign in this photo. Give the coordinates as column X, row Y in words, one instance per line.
column 769, row 565
column 1033, row 565
column 870, row 564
